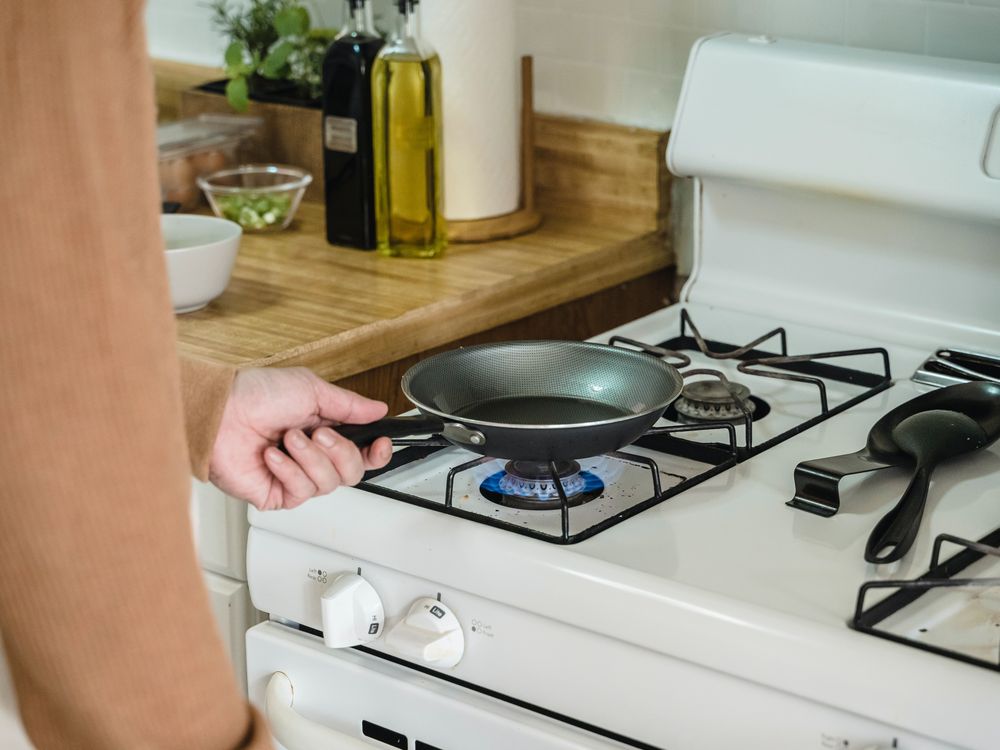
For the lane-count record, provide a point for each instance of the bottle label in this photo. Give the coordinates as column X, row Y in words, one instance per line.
column 341, row 134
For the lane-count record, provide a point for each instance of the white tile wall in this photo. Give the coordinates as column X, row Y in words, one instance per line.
column 643, row 44
column 623, row 60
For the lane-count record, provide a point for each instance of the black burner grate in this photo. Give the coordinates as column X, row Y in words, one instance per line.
column 815, row 369
column 940, row 575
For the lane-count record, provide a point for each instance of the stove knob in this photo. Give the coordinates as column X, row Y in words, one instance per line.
column 352, row 612
column 429, row 633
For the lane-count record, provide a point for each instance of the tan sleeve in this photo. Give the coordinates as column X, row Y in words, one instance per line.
column 105, row 620
column 205, row 388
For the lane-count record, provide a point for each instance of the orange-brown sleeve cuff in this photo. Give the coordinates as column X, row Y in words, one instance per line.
column 205, row 388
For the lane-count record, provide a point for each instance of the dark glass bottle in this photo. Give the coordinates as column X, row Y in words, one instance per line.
column 349, row 180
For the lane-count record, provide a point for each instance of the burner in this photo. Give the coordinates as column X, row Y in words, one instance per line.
column 528, row 485
column 710, row 400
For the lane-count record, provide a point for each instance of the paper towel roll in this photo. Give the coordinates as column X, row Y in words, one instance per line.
column 480, row 88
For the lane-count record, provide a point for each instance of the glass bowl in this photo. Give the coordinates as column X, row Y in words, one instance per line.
column 258, row 197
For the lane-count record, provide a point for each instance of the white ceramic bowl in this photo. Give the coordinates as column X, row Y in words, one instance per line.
column 201, row 251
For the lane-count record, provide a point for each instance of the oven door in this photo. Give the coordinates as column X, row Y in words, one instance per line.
column 315, row 697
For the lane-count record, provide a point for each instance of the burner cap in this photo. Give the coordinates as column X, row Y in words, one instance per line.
column 540, row 469
column 711, row 400
column 528, row 485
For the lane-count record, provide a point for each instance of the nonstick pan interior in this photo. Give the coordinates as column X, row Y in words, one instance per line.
column 541, row 384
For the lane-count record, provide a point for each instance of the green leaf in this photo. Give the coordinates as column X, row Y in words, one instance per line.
column 237, row 94
column 292, row 21
column 274, row 64
column 235, row 54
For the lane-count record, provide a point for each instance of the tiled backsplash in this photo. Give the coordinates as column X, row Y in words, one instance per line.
column 623, row 60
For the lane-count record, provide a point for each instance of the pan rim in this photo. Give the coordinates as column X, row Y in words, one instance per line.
column 667, row 368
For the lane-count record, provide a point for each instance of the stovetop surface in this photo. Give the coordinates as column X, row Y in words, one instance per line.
column 733, row 534
column 734, row 572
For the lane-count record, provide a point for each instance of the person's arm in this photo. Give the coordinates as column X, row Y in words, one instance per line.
column 205, row 389
column 104, row 615
column 235, row 419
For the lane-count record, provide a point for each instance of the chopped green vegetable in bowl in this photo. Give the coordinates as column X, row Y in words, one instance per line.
column 258, row 197
column 255, row 211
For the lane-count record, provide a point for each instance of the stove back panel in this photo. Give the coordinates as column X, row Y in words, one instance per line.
column 849, row 188
column 876, row 270
column 880, row 126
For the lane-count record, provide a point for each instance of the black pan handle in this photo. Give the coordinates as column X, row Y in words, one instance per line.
column 363, row 435
column 896, row 531
column 817, row 482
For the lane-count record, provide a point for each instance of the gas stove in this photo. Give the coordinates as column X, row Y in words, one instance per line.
column 717, row 421
column 666, row 595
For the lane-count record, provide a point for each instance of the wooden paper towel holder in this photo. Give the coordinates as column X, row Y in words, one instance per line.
column 525, row 219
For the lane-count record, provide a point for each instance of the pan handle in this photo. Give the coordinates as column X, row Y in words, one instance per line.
column 363, row 435
column 817, row 481
column 896, row 531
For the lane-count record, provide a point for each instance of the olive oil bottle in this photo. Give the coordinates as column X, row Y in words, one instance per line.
column 348, row 166
column 406, row 127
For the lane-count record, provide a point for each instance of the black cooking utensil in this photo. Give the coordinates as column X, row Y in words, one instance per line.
column 817, row 481
column 930, row 437
column 537, row 400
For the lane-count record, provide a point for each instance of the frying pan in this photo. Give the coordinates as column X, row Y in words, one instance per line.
column 532, row 400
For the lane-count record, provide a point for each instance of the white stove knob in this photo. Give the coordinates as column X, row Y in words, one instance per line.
column 430, row 633
column 352, row 612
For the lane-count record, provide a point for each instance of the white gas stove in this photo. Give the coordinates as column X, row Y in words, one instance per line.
column 673, row 599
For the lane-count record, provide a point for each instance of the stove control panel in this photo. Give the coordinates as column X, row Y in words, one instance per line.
column 429, row 633
column 352, row 612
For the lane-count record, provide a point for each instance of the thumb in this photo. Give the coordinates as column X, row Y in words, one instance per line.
column 341, row 405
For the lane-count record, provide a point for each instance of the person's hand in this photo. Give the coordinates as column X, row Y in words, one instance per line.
column 268, row 405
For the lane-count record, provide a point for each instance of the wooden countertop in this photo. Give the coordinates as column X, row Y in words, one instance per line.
column 295, row 300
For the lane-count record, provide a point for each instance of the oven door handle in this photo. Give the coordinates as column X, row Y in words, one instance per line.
column 293, row 730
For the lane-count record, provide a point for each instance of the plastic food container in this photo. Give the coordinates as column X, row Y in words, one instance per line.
column 258, row 197
column 196, row 146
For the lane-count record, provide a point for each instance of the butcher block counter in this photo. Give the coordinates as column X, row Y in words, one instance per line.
column 295, row 300
column 600, row 258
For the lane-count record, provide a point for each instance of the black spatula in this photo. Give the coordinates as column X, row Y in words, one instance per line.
column 930, row 437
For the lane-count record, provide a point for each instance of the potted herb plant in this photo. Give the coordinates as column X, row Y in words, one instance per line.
column 274, row 53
